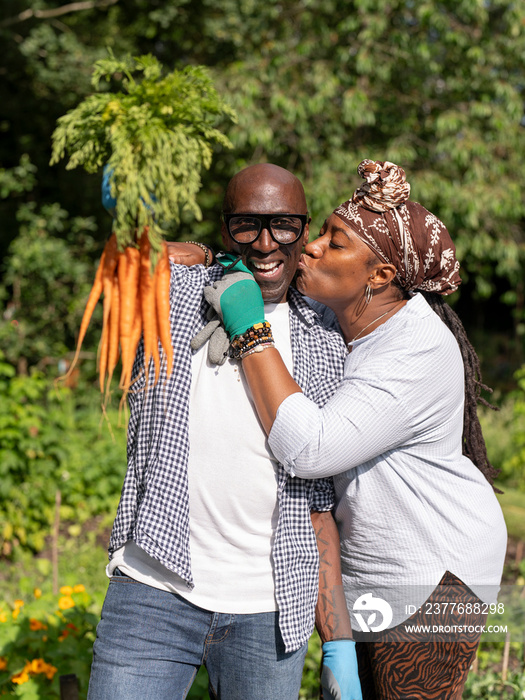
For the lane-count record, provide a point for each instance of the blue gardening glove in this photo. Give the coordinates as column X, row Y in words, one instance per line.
column 108, row 201
column 339, row 677
column 236, row 298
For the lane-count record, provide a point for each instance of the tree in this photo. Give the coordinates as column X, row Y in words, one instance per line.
column 318, row 86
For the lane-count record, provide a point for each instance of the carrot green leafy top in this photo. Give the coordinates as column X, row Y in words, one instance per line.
column 156, row 136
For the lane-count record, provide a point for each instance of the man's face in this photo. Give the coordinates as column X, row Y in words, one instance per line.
column 272, row 264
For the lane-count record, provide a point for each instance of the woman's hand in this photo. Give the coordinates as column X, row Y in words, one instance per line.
column 185, row 253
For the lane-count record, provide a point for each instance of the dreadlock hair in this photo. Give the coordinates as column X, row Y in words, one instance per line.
column 473, row 442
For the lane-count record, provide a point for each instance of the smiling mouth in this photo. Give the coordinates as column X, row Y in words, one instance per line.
column 268, row 269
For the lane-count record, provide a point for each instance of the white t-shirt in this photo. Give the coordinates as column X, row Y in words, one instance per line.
column 232, row 477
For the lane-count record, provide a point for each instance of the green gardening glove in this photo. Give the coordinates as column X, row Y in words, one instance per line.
column 236, row 298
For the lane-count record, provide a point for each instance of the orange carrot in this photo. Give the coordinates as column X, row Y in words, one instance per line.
column 114, row 319
column 147, row 301
column 110, row 264
column 162, row 293
column 136, row 302
column 102, row 360
column 108, row 274
column 136, row 332
column 128, row 283
column 94, row 295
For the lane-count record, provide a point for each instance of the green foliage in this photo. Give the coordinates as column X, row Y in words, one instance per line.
column 489, row 686
column 50, row 443
column 19, row 179
column 44, row 637
column 156, row 135
column 45, row 285
column 504, row 433
column 317, row 86
column 514, row 465
column 512, row 503
column 310, row 683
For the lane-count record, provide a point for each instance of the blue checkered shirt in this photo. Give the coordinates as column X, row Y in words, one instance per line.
column 154, row 505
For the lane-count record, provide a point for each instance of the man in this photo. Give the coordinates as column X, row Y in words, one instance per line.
column 213, row 557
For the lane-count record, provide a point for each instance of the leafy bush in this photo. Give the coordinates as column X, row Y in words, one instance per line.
column 513, row 466
column 504, row 433
column 43, row 638
column 489, row 686
column 49, row 443
column 45, row 284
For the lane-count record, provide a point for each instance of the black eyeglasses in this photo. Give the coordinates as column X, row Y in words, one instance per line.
column 283, row 228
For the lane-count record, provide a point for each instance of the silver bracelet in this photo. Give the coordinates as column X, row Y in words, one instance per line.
column 206, row 249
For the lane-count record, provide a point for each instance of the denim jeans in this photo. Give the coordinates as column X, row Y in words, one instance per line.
column 150, row 644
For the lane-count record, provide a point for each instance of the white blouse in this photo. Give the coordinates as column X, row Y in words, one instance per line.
column 409, row 505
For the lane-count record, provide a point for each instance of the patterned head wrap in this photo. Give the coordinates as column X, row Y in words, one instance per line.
column 401, row 232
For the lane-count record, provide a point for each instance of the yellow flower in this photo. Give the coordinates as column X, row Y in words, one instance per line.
column 66, row 590
column 20, row 678
column 66, row 602
column 79, row 588
column 3, row 616
column 37, row 593
column 18, row 605
column 37, row 666
column 35, row 625
column 3, row 663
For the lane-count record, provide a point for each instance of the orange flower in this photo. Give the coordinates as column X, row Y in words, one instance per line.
column 79, row 588
column 37, row 593
column 3, row 663
column 35, row 625
column 66, row 602
column 50, row 671
column 20, row 678
column 66, row 590
column 3, row 616
column 37, row 666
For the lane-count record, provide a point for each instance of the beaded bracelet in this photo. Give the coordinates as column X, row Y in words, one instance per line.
column 258, row 334
column 207, row 250
column 258, row 348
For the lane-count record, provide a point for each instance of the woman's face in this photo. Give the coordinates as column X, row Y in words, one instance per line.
column 335, row 268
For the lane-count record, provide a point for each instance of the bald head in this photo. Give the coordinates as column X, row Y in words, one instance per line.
column 269, row 191
column 277, row 188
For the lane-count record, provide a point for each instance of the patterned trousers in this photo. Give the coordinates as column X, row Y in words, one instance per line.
column 399, row 666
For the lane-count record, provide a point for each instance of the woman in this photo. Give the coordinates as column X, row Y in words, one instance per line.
column 419, row 523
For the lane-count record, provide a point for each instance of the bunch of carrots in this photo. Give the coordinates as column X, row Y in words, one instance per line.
column 136, row 303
